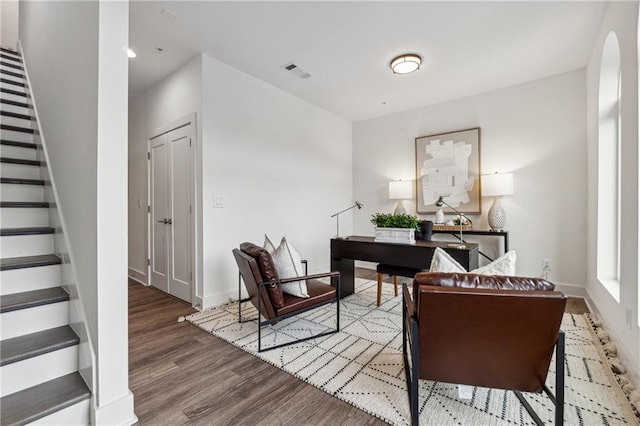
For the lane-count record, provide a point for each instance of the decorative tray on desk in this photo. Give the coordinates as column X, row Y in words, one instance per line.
column 440, row 227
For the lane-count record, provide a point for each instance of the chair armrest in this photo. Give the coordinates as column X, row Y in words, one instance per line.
column 310, row 277
column 408, row 301
column 306, row 266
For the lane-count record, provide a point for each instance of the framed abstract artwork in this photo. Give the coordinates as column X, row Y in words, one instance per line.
column 448, row 166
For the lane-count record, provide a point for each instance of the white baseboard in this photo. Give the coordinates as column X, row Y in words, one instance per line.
column 572, row 290
column 138, row 276
column 218, row 299
column 118, row 412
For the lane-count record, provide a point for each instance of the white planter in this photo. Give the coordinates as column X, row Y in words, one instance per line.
column 396, row 235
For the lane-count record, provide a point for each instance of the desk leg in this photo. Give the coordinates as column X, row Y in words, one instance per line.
column 347, row 275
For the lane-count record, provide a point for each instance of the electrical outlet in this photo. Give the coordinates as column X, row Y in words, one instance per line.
column 218, row 201
column 546, row 265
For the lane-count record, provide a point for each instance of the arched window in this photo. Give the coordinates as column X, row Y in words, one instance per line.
column 609, row 147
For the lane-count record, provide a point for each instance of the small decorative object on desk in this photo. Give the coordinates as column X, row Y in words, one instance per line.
column 439, row 217
column 395, row 228
column 454, row 224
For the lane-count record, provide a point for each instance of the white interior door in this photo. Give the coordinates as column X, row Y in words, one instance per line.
column 171, row 213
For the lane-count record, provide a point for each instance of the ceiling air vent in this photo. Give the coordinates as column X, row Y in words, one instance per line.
column 294, row 69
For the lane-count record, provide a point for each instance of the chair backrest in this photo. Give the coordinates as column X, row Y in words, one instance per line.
column 487, row 337
column 250, row 272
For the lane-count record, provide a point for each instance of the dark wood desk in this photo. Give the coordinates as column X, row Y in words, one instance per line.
column 345, row 251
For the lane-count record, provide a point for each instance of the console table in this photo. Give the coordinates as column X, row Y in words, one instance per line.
column 503, row 234
column 344, row 251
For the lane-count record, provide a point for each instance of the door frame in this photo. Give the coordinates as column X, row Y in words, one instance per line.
column 189, row 119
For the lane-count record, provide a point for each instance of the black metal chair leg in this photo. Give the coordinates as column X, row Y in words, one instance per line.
column 559, row 420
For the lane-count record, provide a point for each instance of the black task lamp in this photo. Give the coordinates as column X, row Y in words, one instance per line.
column 357, row 204
column 439, row 203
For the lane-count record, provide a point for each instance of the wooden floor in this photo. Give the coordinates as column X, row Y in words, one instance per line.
column 180, row 374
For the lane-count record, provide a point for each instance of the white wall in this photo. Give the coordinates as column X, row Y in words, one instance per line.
column 282, row 165
column 174, row 97
column 621, row 17
column 76, row 54
column 9, row 18
column 535, row 130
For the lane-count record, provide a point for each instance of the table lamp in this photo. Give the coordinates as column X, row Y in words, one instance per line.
column 442, row 202
column 400, row 190
column 497, row 185
column 357, row 204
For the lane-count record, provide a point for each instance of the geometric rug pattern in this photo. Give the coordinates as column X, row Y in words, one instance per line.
column 363, row 365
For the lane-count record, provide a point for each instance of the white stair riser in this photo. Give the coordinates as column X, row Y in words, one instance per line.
column 23, row 217
column 32, row 371
column 26, row 245
column 20, row 80
column 19, row 192
column 76, row 415
column 16, row 136
column 28, row 279
column 12, row 86
column 19, row 122
column 16, row 109
column 25, row 321
column 11, row 151
column 19, row 171
column 16, row 98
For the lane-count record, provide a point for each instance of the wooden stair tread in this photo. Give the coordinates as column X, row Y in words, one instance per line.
column 12, row 92
column 10, row 65
column 16, row 128
column 11, row 73
column 32, row 230
column 18, row 144
column 9, row 263
column 14, row 103
column 19, row 161
column 12, row 52
column 15, row 57
column 12, row 82
column 31, row 299
column 16, row 115
column 22, row 181
column 24, row 204
column 36, row 344
column 39, row 401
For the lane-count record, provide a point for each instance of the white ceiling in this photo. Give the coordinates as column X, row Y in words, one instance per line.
column 467, row 47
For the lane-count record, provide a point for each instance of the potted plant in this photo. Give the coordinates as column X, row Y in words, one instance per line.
column 395, row 228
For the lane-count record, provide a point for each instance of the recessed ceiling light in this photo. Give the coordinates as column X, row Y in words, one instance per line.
column 405, row 64
column 131, row 53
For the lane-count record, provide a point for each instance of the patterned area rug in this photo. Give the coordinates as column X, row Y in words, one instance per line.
column 362, row 365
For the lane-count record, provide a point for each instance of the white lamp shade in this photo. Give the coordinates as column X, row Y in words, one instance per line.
column 400, row 190
column 497, row 184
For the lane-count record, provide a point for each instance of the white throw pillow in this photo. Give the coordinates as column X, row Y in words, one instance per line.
column 288, row 263
column 504, row 265
column 268, row 245
column 443, row 262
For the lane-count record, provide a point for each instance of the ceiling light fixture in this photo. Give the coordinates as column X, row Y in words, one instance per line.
column 131, row 53
column 405, row 64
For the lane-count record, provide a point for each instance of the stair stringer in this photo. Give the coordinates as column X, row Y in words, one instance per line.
column 62, row 247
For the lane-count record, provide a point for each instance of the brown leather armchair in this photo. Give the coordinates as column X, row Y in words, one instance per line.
column 489, row 331
column 265, row 293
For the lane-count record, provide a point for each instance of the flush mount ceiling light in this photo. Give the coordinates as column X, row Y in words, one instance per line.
column 405, row 64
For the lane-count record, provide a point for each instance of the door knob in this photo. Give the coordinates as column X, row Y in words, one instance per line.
column 165, row 221
column 168, row 221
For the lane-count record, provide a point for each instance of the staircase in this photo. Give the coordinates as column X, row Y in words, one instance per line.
column 39, row 375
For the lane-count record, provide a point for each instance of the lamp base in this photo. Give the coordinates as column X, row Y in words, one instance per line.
column 400, row 208
column 497, row 217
